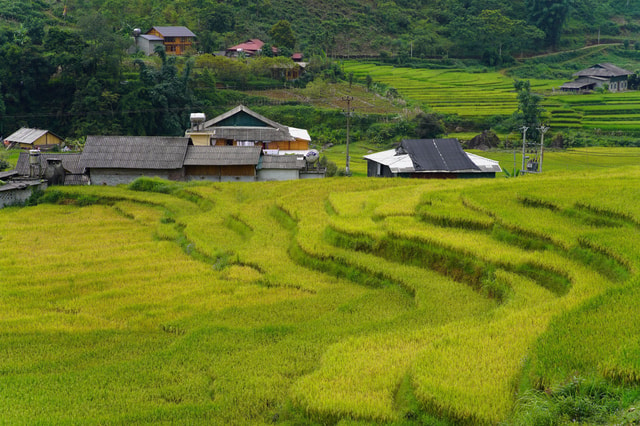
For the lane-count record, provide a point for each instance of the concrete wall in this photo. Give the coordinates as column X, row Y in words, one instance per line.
column 18, row 195
column 125, row 176
column 214, row 178
column 277, row 174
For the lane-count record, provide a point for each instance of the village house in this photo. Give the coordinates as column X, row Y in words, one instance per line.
column 600, row 75
column 27, row 138
column 176, row 40
column 239, row 145
column 248, row 48
column 243, row 127
column 430, row 159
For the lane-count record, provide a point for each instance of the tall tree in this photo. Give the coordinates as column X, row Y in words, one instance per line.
column 550, row 16
column 529, row 110
column 282, row 34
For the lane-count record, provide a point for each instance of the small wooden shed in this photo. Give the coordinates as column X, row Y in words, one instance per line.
column 28, row 138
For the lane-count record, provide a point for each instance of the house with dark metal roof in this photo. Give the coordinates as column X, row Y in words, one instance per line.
column 428, row 159
column 598, row 76
column 176, row 40
column 28, row 138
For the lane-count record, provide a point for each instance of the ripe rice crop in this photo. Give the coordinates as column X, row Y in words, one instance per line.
column 334, row 300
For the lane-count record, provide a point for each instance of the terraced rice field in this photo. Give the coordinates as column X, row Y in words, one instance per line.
column 357, row 300
column 451, row 91
column 608, row 112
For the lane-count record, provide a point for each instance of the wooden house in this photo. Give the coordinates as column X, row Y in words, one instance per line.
column 222, row 163
column 248, row 48
column 598, row 76
column 244, row 127
column 429, row 159
column 176, row 40
column 27, row 138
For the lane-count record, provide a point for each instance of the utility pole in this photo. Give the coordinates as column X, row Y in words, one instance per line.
column 543, row 129
column 348, row 112
column 524, row 145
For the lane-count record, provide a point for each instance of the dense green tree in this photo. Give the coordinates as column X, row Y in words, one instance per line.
column 282, row 34
column 429, row 126
column 550, row 16
column 529, row 110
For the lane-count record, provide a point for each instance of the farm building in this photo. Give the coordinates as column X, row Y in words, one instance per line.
column 244, row 127
column 430, row 159
column 222, row 163
column 250, row 47
column 27, row 138
column 69, row 163
column 176, row 40
column 597, row 76
column 113, row 160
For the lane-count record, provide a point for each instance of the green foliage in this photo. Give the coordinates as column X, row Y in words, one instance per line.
column 282, row 34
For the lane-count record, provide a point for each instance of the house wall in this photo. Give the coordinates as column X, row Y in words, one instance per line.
column 125, row 176
column 148, row 46
column 375, row 169
column 277, row 174
column 246, row 173
column 18, row 195
column 200, row 139
column 297, row 145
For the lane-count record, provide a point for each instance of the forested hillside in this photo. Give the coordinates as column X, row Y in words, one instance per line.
column 64, row 63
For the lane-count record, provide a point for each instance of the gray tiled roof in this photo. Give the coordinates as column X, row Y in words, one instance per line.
column 265, row 134
column 70, row 162
column 603, row 70
column 282, row 162
column 134, row 152
column 175, row 31
column 222, row 155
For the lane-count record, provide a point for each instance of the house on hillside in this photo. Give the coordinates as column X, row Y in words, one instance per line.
column 248, row 48
column 430, row 159
column 615, row 78
column 27, row 138
column 243, row 127
column 176, row 40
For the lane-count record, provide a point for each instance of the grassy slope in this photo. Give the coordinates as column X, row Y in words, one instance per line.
column 305, row 300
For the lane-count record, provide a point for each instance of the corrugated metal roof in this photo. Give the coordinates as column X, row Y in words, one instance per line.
column 603, row 70
column 151, row 37
column 299, row 133
column 579, row 83
column 174, row 31
column 437, row 155
column 134, row 152
column 400, row 161
column 485, row 164
column 70, row 162
column 222, row 155
column 26, row 135
column 282, row 162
